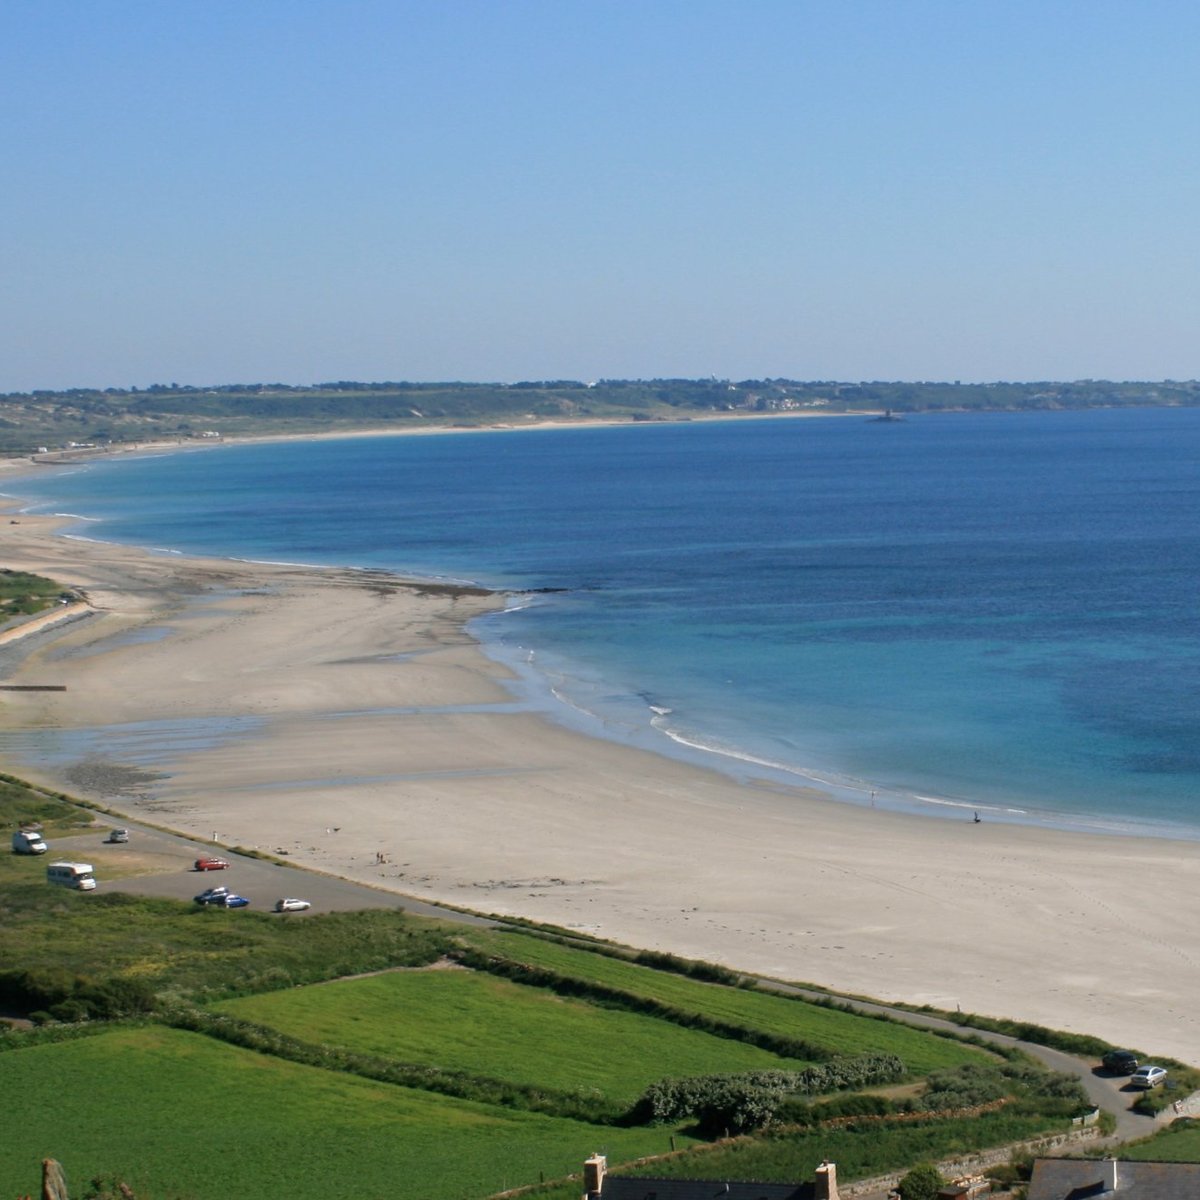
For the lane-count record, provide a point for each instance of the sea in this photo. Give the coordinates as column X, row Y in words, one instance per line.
column 957, row 614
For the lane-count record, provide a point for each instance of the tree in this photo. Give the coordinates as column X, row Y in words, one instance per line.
column 923, row 1182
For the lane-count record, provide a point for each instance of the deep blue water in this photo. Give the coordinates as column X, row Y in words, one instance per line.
column 994, row 610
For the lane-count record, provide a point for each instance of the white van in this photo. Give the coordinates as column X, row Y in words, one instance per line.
column 73, row 875
column 29, row 841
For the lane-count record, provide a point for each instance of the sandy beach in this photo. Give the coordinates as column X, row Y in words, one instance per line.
column 338, row 716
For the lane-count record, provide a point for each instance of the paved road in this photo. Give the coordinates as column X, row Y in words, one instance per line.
column 167, row 860
column 1105, row 1091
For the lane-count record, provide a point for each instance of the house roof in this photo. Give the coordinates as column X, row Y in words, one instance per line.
column 617, row 1188
column 1083, row 1179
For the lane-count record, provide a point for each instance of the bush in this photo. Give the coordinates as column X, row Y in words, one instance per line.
column 70, row 1011
column 923, row 1182
column 751, row 1099
column 974, row 1084
column 1153, row 1101
column 965, row 1087
column 693, row 968
column 56, row 994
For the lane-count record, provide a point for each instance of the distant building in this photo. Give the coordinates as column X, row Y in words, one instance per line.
column 599, row 1185
column 1102, row 1179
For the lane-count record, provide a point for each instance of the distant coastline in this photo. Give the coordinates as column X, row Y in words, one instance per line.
column 82, row 417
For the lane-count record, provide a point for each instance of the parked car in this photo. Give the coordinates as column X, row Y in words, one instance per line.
column 118, row 835
column 290, row 905
column 1147, row 1076
column 1121, row 1062
column 209, row 863
column 232, row 900
column 212, row 895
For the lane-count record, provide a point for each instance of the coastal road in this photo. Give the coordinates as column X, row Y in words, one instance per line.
column 1105, row 1091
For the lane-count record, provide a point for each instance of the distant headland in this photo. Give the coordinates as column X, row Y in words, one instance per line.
column 101, row 417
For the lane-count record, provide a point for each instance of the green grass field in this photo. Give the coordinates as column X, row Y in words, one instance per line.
column 183, row 950
column 1178, row 1143
column 837, row 1031
column 469, row 1021
column 180, row 1116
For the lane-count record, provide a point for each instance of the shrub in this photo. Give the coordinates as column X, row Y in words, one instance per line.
column 693, row 968
column 751, row 1099
column 53, row 993
column 923, row 1182
column 70, row 1011
column 975, row 1084
column 1153, row 1101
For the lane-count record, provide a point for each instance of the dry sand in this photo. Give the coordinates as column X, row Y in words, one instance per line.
column 339, row 715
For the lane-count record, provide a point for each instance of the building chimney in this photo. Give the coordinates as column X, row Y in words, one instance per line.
column 594, row 1170
column 1109, row 1176
column 825, row 1184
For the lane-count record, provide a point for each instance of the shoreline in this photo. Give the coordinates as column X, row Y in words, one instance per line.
column 338, row 714
column 66, row 456
column 656, row 737
column 749, row 770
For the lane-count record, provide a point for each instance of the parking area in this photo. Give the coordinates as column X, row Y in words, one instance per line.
column 153, row 863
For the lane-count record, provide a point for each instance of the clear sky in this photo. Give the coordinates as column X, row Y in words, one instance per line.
column 214, row 191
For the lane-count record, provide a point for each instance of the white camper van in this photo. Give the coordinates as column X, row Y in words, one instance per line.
column 29, row 841
column 73, row 875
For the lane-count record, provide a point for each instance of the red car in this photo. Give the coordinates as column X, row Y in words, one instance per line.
column 211, row 864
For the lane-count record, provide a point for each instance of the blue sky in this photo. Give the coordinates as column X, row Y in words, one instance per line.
column 208, row 192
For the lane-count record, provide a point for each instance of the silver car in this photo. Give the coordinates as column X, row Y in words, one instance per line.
column 1147, row 1076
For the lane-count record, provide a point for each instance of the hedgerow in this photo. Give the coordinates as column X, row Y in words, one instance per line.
column 583, row 1106
column 748, row 1100
column 599, row 993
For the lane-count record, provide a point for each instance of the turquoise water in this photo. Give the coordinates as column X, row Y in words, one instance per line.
column 957, row 612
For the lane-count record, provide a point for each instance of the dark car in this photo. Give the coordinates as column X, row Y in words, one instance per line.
column 215, row 895
column 1121, row 1062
